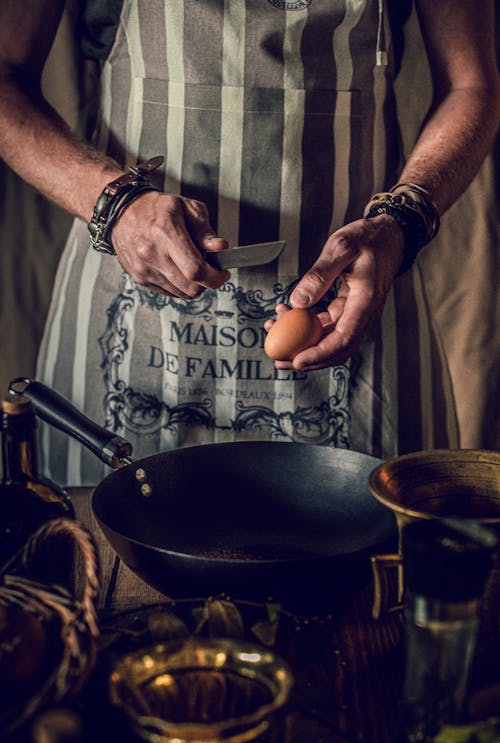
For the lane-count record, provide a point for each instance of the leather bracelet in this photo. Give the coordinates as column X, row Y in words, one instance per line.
column 116, row 196
column 412, row 207
column 411, row 225
column 422, row 200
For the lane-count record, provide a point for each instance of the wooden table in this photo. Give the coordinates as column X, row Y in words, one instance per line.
column 347, row 667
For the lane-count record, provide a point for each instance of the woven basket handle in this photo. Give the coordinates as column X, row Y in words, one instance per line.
column 35, row 558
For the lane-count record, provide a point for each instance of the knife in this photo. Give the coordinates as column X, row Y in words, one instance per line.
column 244, row 256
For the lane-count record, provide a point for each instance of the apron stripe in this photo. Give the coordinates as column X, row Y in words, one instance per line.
column 389, row 434
column 154, row 119
column 151, row 39
column 260, row 190
column 203, row 31
column 102, row 132
column 90, row 272
column 316, row 48
column 377, row 400
column 319, row 164
column 135, row 107
column 175, row 138
column 49, row 353
column 424, row 357
column 233, row 43
column 291, row 182
column 200, row 163
column 168, row 358
column 174, row 28
column 230, row 168
column 293, row 129
column 120, row 85
column 232, row 115
column 293, row 68
column 343, row 111
column 264, row 35
column 409, row 382
column 230, row 163
column 444, row 430
column 132, row 22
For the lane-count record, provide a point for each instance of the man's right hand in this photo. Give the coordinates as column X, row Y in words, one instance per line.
column 159, row 239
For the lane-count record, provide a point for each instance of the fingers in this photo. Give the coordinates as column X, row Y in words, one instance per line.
column 198, row 226
column 365, row 254
column 350, row 317
column 345, row 322
column 280, row 310
column 156, row 282
column 158, row 240
column 187, row 231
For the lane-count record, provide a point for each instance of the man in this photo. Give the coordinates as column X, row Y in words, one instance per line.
column 277, row 120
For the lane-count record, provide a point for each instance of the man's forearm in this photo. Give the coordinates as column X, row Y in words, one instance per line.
column 453, row 144
column 39, row 146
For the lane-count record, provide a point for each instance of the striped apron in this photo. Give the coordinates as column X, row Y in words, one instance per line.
column 280, row 116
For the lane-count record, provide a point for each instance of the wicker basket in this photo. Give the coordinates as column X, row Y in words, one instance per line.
column 51, row 584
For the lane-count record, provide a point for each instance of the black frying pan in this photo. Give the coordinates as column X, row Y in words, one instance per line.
column 254, row 518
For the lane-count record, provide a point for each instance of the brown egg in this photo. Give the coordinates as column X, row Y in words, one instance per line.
column 293, row 332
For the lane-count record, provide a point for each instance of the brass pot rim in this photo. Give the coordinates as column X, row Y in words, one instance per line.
column 395, row 465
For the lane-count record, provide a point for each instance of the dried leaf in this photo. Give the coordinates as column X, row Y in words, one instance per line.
column 200, row 615
column 165, row 625
column 485, row 731
column 265, row 632
column 273, row 611
column 224, row 619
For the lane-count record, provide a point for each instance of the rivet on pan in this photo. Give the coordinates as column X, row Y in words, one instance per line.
column 140, row 475
column 146, row 490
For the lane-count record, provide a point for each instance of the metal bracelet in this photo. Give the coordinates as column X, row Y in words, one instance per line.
column 114, row 198
column 101, row 231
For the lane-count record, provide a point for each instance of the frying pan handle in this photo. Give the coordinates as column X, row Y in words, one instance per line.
column 51, row 407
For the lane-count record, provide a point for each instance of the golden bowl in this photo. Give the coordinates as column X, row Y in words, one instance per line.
column 197, row 689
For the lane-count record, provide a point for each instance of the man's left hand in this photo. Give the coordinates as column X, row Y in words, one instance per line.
column 366, row 255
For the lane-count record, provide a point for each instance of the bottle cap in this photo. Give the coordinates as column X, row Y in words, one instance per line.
column 16, row 405
column 447, row 559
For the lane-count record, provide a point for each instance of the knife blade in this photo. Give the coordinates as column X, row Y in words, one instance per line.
column 243, row 256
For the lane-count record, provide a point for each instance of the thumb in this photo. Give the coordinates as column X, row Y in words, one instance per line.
column 199, row 228
column 312, row 286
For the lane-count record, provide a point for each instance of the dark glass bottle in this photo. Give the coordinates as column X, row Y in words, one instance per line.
column 27, row 499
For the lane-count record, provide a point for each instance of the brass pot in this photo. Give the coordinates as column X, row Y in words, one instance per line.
column 463, row 483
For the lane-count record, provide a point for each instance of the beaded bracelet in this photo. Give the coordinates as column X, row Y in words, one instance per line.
column 413, row 208
column 115, row 197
